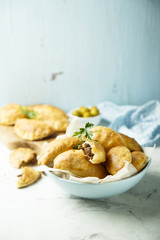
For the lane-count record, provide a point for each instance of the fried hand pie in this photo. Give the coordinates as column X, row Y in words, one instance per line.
column 54, row 148
column 116, row 158
column 58, row 124
column 131, row 143
column 139, row 160
column 22, row 156
column 9, row 114
column 76, row 162
column 28, row 176
column 107, row 137
column 46, row 112
column 93, row 151
column 30, row 129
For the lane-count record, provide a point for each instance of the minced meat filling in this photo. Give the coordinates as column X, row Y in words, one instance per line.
column 87, row 150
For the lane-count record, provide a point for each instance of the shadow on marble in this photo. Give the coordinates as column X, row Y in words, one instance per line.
column 148, row 187
column 141, row 201
column 93, row 236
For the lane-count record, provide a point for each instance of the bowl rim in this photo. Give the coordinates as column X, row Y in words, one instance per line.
column 114, row 182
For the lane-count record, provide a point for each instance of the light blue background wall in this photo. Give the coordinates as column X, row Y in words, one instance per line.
column 104, row 50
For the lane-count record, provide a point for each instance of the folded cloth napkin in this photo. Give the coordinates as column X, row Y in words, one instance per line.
column 139, row 122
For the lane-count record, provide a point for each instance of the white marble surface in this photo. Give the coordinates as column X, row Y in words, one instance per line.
column 43, row 211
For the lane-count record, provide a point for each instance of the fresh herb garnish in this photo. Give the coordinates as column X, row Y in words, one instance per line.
column 77, row 145
column 84, row 131
column 29, row 114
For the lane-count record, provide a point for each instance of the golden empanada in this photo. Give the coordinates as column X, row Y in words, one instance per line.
column 116, row 158
column 28, row 176
column 22, row 156
column 76, row 162
column 46, row 112
column 139, row 160
column 94, row 151
column 9, row 114
column 53, row 149
column 60, row 124
column 107, row 137
column 131, row 143
column 30, row 129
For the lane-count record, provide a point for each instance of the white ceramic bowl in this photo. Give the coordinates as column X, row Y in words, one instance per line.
column 98, row 190
column 95, row 120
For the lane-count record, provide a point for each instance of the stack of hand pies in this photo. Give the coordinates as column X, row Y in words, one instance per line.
column 47, row 120
column 43, row 121
column 105, row 154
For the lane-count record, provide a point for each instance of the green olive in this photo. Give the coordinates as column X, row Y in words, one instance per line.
column 94, row 111
column 86, row 114
column 76, row 113
column 83, row 109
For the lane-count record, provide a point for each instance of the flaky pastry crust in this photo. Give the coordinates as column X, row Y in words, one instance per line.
column 46, row 112
column 76, row 162
column 28, row 176
column 116, row 158
column 54, row 148
column 22, row 156
column 59, row 124
column 131, row 143
column 139, row 160
column 107, row 137
column 9, row 114
column 30, row 129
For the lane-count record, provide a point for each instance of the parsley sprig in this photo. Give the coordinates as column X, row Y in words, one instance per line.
column 76, row 146
column 84, row 131
column 29, row 114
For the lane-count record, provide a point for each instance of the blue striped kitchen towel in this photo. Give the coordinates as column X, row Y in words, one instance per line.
column 139, row 122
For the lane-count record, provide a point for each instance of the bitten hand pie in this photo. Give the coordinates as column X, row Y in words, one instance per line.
column 139, row 160
column 30, row 129
column 28, row 176
column 9, row 114
column 76, row 162
column 93, row 151
column 22, row 156
column 53, row 149
column 116, row 158
column 107, row 137
column 131, row 143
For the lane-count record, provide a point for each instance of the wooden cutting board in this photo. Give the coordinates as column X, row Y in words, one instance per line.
column 12, row 141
